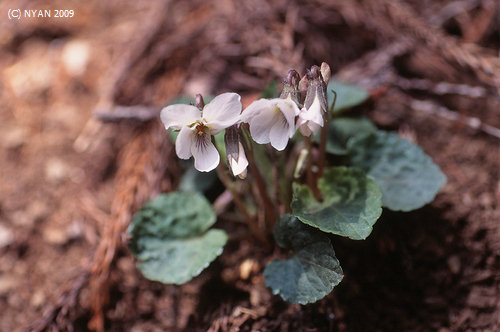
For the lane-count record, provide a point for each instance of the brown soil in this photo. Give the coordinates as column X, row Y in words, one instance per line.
column 64, row 173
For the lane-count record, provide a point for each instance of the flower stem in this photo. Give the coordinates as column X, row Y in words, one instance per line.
column 309, row 173
column 238, row 201
column 275, row 160
column 324, row 137
column 270, row 214
column 322, row 146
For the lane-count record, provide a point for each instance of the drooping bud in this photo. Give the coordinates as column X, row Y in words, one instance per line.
column 291, row 87
column 311, row 116
column 325, row 72
column 316, row 89
column 231, row 139
column 200, row 103
column 235, row 153
column 303, row 84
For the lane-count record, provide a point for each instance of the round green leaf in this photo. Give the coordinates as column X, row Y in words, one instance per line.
column 348, row 95
column 308, row 276
column 174, row 215
column 340, row 130
column 351, row 204
column 407, row 176
column 169, row 237
column 194, row 180
column 176, row 261
column 312, row 272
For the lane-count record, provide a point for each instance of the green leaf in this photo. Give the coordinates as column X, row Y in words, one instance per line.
column 312, row 272
column 340, row 130
column 408, row 177
column 221, row 145
column 348, row 95
column 170, row 240
column 270, row 91
column 194, row 180
column 352, row 203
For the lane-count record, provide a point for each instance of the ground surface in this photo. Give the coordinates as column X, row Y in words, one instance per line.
column 64, row 173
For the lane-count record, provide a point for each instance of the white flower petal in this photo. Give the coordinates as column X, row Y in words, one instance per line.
column 313, row 127
column 279, row 134
column 302, row 125
column 243, row 174
column 223, row 111
column 261, row 124
column 240, row 166
column 263, row 114
column 314, row 113
column 287, row 106
column 311, row 120
column 178, row 115
column 255, row 108
column 289, row 110
column 206, row 156
column 183, row 143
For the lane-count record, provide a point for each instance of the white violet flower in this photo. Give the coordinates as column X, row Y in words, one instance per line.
column 196, row 128
column 235, row 153
column 271, row 121
column 239, row 166
column 310, row 120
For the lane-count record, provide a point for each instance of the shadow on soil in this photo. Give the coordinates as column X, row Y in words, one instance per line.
column 405, row 276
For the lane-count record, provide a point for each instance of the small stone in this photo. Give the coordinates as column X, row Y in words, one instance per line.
column 247, row 267
column 6, row 236
column 126, row 264
column 56, row 170
column 7, row 284
column 75, row 230
column 55, row 236
column 14, row 138
column 33, row 73
column 75, row 56
column 259, row 293
column 38, row 299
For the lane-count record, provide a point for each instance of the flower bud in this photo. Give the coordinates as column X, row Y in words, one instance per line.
column 199, row 102
column 316, row 89
column 303, row 84
column 311, row 116
column 291, row 87
column 325, row 72
column 235, row 154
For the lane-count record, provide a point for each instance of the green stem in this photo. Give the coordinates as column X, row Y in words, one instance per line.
column 276, row 180
column 270, row 215
column 238, row 201
column 309, row 172
column 324, row 137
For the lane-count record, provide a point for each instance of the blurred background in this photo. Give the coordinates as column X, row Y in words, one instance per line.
column 81, row 149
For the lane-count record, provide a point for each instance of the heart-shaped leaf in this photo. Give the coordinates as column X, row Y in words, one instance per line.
column 194, row 180
column 270, row 91
column 340, row 130
column 408, row 177
column 352, row 203
column 348, row 95
column 312, row 272
column 170, row 238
